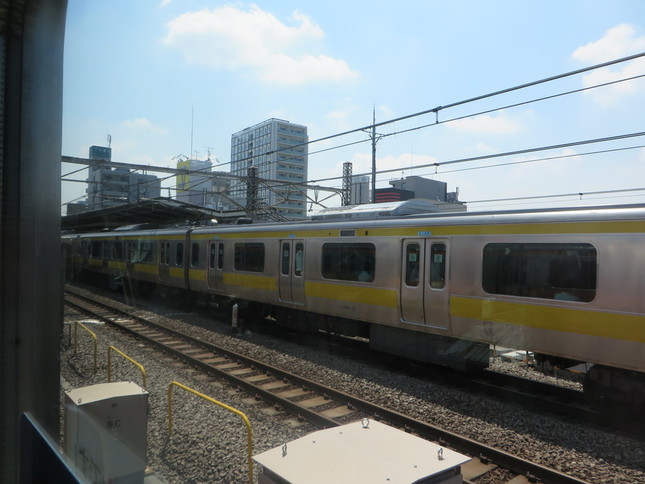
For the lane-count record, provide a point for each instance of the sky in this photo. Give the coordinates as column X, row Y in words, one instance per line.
column 169, row 79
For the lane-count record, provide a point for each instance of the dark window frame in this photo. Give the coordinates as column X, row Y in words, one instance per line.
column 348, row 261
column 249, row 256
column 542, row 270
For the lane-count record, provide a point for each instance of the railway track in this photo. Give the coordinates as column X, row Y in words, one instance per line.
column 307, row 400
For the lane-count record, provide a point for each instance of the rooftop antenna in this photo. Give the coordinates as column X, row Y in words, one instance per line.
column 109, row 140
column 192, row 118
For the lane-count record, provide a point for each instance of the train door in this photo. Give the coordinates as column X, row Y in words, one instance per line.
column 413, row 281
column 424, row 284
column 164, row 261
column 291, row 278
column 436, row 298
column 216, row 265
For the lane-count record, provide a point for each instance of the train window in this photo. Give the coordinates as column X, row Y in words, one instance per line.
column 96, row 249
column 249, row 256
column 286, row 258
column 179, row 254
column 211, row 256
column 162, row 253
column 143, row 251
column 547, row 271
column 194, row 255
column 412, row 253
column 349, row 261
column 438, row 266
column 220, row 255
column 300, row 259
column 118, row 250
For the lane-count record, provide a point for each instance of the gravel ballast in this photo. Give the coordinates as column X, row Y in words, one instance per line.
column 209, row 444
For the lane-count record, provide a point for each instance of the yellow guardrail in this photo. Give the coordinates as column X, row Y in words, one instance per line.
column 224, row 406
column 76, row 325
column 140, row 366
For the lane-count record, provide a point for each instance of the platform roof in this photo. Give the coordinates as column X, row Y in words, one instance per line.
column 158, row 211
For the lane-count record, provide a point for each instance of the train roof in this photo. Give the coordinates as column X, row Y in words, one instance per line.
column 556, row 215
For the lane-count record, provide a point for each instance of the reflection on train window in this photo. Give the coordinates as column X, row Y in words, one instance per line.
column 300, row 259
column 438, row 266
column 211, row 257
column 548, row 271
column 220, row 256
column 286, row 258
column 96, row 249
column 164, row 254
column 143, row 251
column 249, row 256
column 194, row 255
column 349, row 261
column 118, row 250
column 412, row 253
column 179, row 254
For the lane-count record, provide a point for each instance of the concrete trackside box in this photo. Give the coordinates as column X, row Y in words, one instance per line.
column 106, row 432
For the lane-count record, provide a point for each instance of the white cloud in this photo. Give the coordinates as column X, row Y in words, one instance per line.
column 486, row 124
column 619, row 41
column 144, row 125
column 230, row 38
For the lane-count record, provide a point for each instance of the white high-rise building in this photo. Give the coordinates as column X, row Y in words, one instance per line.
column 278, row 150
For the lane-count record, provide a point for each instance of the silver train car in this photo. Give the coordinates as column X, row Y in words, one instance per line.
column 566, row 284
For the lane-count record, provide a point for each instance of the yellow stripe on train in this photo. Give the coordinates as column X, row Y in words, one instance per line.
column 350, row 293
column 628, row 327
column 252, row 281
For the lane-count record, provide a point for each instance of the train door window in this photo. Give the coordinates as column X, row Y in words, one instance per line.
column 118, row 249
column 412, row 259
column 162, row 252
column 220, row 255
column 212, row 255
column 286, row 258
column 96, row 249
column 438, row 266
column 194, row 255
column 299, row 259
column 179, row 254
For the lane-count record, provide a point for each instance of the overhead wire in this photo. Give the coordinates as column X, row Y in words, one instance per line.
column 452, row 105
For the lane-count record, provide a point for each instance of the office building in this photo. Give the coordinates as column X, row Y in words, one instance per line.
column 278, row 151
column 109, row 187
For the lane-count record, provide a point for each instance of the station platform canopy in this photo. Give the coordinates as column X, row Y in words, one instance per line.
column 157, row 211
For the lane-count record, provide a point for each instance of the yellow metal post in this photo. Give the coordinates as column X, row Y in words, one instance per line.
column 140, row 366
column 78, row 323
column 249, row 432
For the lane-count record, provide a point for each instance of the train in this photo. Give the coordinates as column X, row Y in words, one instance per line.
column 565, row 284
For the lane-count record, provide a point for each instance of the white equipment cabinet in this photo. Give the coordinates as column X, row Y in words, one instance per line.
column 106, row 432
column 360, row 452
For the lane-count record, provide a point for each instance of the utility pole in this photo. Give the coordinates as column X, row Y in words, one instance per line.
column 252, row 192
column 347, row 184
column 374, row 155
column 374, row 137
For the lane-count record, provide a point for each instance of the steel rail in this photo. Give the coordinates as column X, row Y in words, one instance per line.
column 461, row 443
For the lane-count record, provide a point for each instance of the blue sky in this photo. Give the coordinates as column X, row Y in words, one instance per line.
column 140, row 71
